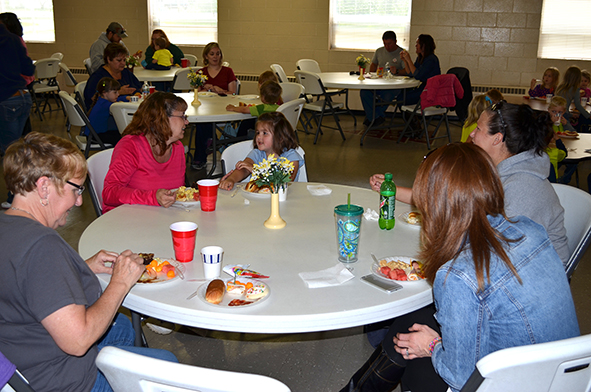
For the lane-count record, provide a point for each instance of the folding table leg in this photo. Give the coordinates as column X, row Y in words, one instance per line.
column 140, row 338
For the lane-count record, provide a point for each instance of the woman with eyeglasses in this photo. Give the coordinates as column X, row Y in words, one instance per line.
column 486, row 272
column 55, row 317
column 149, row 161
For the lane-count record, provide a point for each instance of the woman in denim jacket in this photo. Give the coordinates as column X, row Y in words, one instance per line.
column 486, row 271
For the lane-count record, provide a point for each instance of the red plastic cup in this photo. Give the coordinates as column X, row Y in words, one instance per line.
column 208, row 194
column 152, row 89
column 183, row 240
column 184, row 62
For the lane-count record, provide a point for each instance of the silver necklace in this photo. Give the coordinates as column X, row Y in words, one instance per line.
column 20, row 209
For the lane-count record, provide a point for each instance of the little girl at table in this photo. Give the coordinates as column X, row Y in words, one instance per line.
column 107, row 92
column 274, row 135
column 548, row 84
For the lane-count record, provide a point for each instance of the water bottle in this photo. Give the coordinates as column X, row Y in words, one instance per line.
column 387, row 68
column 387, row 203
column 145, row 90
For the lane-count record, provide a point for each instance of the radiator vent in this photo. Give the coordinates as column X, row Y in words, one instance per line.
column 78, row 71
column 255, row 78
column 503, row 90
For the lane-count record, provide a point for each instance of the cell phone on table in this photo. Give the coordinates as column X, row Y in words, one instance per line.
column 388, row 287
column 223, row 95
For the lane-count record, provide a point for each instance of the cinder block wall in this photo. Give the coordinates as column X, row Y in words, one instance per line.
column 495, row 39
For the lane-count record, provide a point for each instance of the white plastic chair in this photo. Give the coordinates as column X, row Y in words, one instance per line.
column 98, row 166
column 291, row 91
column 129, row 372
column 308, row 65
column 46, row 82
column 79, row 94
column 192, row 59
column 577, row 221
column 558, row 366
column 180, row 81
column 68, row 76
column 87, row 65
column 278, row 69
column 57, row 55
column 303, row 177
column 321, row 107
column 123, row 113
column 78, row 118
column 292, row 111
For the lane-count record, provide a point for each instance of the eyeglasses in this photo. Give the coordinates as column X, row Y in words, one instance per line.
column 497, row 108
column 184, row 117
column 79, row 188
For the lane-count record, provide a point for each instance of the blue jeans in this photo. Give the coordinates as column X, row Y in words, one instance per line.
column 121, row 335
column 382, row 95
column 14, row 112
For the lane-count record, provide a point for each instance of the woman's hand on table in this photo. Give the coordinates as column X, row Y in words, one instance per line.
column 375, row 181
column 416, row 343
column 127, row 269
column 97, row 262
column 165, row 197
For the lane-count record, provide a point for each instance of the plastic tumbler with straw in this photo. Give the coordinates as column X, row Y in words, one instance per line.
column 348, row 226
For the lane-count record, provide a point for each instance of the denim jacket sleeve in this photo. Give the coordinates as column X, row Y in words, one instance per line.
column 454, row 359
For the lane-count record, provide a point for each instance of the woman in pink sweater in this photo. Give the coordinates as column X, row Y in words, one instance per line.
column 149, row 160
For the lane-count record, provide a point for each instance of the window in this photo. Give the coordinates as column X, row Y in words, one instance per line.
column 36, row 16
column 569, row 39
column 185, row 22
column 359, row 24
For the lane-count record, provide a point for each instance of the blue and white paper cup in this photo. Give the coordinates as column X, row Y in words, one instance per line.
column 212, row 261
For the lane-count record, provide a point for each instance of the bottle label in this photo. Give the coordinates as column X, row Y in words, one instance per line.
column 387, row 206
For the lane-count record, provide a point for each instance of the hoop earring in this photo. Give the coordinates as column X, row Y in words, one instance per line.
column 44, row 204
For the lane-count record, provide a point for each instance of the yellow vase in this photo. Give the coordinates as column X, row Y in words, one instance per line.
column 196, row 101
column 275, row 221
column 361, row 72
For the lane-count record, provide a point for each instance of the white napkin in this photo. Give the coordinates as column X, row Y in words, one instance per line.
column 332, row 276
column 319, row 190
column 370, row 215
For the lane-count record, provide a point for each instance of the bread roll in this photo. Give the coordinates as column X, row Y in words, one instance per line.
column 215, row 291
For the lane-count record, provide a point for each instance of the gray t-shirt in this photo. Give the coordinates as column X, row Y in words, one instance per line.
column 41, row 274
column 382, row 56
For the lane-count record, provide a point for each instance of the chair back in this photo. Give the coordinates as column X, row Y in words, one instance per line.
column 461, row 108
column 308, row 65
column 130, row 372
column 98, row 166
column 563, row 365
column 75, row 115
column 180, row 81
column 47, row 68
column 123, row 113
column 79, row 95
column 441, row 90
column 238, row 86
column 311, row 82
column 14, row 380
column 292, row 111
column 278, row 69
column 234, row 153
column 87, row 65
column 291, row 91
column 68, row 76
column 192, row 59
column 57, row 55
column 577, row 221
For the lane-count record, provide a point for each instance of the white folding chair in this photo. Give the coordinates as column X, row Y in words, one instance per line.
column 308, row 65
column 278, row 69
column 87, row 65
column 291, row 91
column 78, row 118
column 563, row 365
column 79, row 95
column 303, row 177
column 180, row 81
column 57, row 55
column 192, row 59
column 292, row 111
column 123, row 113
column 321, row 107
column 68, row 76
column 577, row 221
column 129, row 372
column 238, row 85
column 98, row 166
column 234, row 153
column 46, row 83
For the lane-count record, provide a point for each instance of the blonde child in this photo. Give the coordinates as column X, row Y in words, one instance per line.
column 274, row 135
column 556, row 149
column 585, row 79
column 569, row 90
column 107, row 92
column 548, row 85
column 270, row 94
column 162, row 58
column 475, row 109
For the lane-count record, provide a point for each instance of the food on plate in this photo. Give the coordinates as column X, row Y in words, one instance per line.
column 148, row 276
column 239, row 302
column 240, row 271
column 187, row 194
column 237, row 287
column 399, row 270
column 215, row 291
column 414, row 218
column 567, row 133
column 148, row 257
column 252, row 187
column 155, row 266
column 259, row 290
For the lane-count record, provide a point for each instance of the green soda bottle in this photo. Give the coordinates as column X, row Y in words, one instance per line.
column 387, row 203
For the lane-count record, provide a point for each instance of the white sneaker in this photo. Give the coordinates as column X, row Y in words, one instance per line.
column 159, row 329
column 6, row 205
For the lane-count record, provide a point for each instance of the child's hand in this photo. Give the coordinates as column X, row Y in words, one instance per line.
column 533, row 84
column 154, row 61
column 244, row 165
column 231, row 108
column 226, row 184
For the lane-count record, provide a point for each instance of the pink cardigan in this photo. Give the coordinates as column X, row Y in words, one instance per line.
column 134, row 176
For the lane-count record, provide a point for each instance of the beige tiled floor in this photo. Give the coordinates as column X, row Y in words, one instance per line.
column 310, row 362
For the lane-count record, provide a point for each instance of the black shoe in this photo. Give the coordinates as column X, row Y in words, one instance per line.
column 199, row 165
column 366, row 121
column 377, row 374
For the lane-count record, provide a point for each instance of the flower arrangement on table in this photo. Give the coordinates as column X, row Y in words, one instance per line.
column 196, row 79
column 134, row 60
column 272, row 172
column 362, row 61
